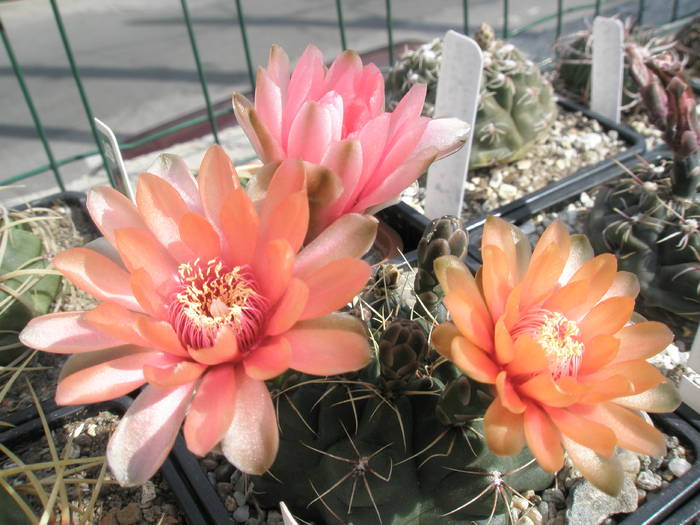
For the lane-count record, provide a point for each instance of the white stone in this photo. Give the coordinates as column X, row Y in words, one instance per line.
column 678, row 466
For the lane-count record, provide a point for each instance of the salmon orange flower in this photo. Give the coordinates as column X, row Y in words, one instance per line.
column 336, row 118
column 551, row 332
column 203, row 298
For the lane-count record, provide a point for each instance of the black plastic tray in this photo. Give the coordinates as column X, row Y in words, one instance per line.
column 577, row 182
column 31, row 428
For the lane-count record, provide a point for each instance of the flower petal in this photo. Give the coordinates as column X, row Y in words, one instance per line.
column 174, row 171
column 349, row 236
column 148, row 295
column 543, row 439
column 584, row 430
column 329, row 345
column 334, row 285
column 273, row 269
column 139, row 249
column 631, row 431
column 441, row 338
column 225, row 348
column 174, row 374
column 146, row 433
column 288, row 221
column 606, row 318
column 642, row 340
column 473, row 361
column 289, row 308
column 310, row 133
column 162, row 209
column 661, row 398
column 604, row 473
column 508, row 396
column 65, row 333
column 212, row 408
column 543, row 389
column 503, row 430
column 239, row 226
column 97, row 275
column 600, row 351
column 217, row 179
column 530, row 357
column 120, row 373
column 118, row 322
column 252, row 439
column 268, row 360
column 112, row 211
column 198, row 235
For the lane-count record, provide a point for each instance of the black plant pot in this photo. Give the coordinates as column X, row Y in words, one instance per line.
column 29, row 427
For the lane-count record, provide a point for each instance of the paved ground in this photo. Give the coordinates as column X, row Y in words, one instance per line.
column 138, row 68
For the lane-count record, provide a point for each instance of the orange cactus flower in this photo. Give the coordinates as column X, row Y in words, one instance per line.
column 551, row 332
column 204, row 296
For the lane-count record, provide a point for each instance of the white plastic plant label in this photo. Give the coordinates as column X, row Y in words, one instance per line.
column 457, row 96
column 113, row 156
column 608, row 67
column 690, row 383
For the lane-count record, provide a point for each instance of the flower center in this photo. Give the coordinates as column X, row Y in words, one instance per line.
column 213, row 296
column 558, row 336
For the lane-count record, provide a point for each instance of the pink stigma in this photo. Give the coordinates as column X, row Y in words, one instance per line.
column 212, row 296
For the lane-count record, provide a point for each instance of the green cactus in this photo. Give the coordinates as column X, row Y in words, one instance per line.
column 573, row 58
column 443, row 236
column 392, row 444
column 516, row 107
column 650, row 220
column 27, row 288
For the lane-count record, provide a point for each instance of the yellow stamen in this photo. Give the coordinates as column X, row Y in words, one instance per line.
column 559, row 338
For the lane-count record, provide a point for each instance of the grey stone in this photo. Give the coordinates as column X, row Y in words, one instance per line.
column 209, row 464
column 242, row 513
column 587, row 504
column 224, row 488
column 230, row 503
column 648, row 480
column 554, row 496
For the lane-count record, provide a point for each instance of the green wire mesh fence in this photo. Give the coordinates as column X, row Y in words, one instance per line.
column 53, row 164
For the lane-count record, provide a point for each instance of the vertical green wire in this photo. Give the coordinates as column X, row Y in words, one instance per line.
column 30, row 105
column 597, row 7
column 79, row 85
column 465, row 15
column 200, row 71
column 506, row 12
column 341, row 24
column 389, row 32
column 640, row 13
column 560, row 16
column 674, row 13
column 246, row 47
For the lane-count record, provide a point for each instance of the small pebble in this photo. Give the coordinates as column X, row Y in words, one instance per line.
column 679, row 466
column 224, row 488
column 209, row 464
column 230, row 503
column 242, row 513
column 241, row 498
column 554, row 496
column 148, row 493
column 648, row 481
column 641, row 496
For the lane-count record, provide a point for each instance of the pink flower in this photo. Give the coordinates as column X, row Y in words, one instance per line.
column 336, row 118
column 204, row 297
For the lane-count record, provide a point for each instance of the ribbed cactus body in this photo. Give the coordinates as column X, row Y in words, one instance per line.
column 26, row 295
column 375, row 448
column 516, row 106
column 650, row 219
